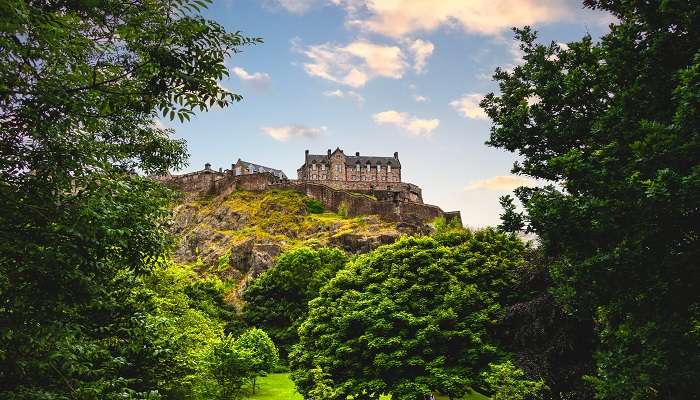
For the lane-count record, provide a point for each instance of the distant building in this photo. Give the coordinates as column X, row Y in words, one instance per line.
column 245, row 168
column 336, row 166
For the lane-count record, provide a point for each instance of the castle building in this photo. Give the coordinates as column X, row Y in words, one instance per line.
column 337, row 167
column 244, row 168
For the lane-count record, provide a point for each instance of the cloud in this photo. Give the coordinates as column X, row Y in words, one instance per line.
column 421, row 50
column 293, row 6
column 354, row 64
column 349, row 94
column 503, row 183
column 468, row 106
column 399, row 18
column 414, row 126
column 257, row 79
column 419, row 98
column 286, row 132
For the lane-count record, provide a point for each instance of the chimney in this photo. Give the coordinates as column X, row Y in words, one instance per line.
column 329, row 152
column 396, row 155
column 220, row 170
column 357, row 154
column 207, row 166
column 306, row 152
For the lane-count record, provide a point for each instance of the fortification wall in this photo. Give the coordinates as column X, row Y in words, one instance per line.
column 388, row 204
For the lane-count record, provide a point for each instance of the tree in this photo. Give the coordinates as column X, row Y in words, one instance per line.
column 409, row 318
column 507, row 382
column 230, row 365
column 277, row 300
column 263, row 356
column 616, row 124
column 80, row 86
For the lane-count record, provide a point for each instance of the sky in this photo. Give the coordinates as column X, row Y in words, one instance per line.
column 378, row 76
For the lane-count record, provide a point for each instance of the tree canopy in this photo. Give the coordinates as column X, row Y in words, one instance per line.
column 80, row 86
column 277, row 299
column 409, row 318
column 615, row 123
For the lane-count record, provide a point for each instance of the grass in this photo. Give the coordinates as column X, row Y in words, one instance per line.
column 280, row 387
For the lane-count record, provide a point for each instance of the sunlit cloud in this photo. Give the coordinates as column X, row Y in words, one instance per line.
column 419, row 98
column 349, row 94
column 503, row 183
column 399, row 18
column 286, row 132
column 293, row 6
column 257, row 79
column 468, row 106
column 353, row 64
column 411, row 124
column 420, row 50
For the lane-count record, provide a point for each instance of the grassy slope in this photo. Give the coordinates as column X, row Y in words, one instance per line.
column 280, row 387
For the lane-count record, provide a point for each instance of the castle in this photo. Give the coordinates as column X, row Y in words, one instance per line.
column 360, row 184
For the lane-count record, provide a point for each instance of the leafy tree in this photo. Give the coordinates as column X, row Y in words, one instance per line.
column 277, row 300
column 616, row 124
column 263, row 355
column 409, row 318
column 513, row 221
column 80, row 86
column 507, row 382
column 230, row 365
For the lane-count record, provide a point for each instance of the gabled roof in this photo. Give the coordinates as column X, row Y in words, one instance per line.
column 353, row 160
column 261, row 168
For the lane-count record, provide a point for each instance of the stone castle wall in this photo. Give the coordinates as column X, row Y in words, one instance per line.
column 390, row 205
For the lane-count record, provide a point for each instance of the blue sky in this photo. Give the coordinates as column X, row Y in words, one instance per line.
column 378, row 76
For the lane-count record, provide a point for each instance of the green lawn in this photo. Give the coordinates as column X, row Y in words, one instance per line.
column 280, row 387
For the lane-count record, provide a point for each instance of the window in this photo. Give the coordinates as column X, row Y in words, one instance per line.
column 357, row 167
column 368, row 167
column 338, row 168
column 383, row 178
column 388, row 168
column 314, row 176
column 323, row 167
column 313, row 167
column 379, row 168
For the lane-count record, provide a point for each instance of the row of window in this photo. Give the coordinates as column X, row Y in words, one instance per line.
column 339, row 167
column 324, row 177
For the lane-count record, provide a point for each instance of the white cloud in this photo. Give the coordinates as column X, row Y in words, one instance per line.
column 503, row 183
column 294, row 6
column 349, row 94
column 413, row 125
column 468, row 106
column 286, row 132
column 421, row 50
column 419, row 98
column 258, row 79
column 399, row 18
column 354, row 64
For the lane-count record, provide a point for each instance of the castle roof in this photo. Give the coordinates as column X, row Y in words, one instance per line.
column 353, row 160
column 261, row 168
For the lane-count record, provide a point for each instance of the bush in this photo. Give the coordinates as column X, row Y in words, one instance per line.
column 314, row 206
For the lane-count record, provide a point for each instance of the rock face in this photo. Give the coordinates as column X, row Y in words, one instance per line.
column 239, row 235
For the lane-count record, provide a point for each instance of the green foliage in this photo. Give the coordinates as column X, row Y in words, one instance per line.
column 314, row 206
column 277, row 300
column 512, row 221
column 80, row 86
column 507, row 382
column 230, row 366
column 442, row 225
column 409, row 318
column 616, row 125
column 262, row 353
column 343, row 210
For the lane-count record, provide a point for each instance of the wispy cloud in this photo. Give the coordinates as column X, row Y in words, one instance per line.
column 293, row 6
column 286, row 132
column 468, row 106
column 419, row 99
column 349, row 94
column 421, row 50
column 411, row 124
column 502, row 183
column 353, row 64
column 257, row 79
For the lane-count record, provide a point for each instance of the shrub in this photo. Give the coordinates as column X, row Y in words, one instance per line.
column 314, row 206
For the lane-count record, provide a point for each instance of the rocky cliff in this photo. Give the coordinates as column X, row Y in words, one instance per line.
column 237, row 235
